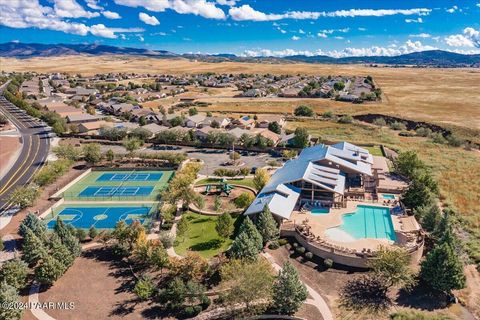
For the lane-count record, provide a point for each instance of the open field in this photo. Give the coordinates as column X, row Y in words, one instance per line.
column 444, row 96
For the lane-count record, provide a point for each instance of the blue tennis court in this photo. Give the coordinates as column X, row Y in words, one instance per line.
column 130, row 176
column 112, row 191
column 100, row 217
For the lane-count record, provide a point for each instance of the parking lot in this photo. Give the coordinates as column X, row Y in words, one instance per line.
column 213, row 158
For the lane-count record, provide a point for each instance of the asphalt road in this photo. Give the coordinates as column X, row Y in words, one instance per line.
column 35, row 147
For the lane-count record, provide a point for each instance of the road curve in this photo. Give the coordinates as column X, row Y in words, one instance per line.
column 33, row 155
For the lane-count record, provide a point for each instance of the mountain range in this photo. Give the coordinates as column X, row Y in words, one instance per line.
column 437, row 58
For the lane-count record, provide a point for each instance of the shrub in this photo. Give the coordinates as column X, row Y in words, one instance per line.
column 309, row 255
column 300, row 250
column 303, row 111
column 346, row 119
column 454, row 140
column 423, row 132
column 166, row 226
column 92, row 232
column 205, row 302
column 244, row 200
column 167, row 239
column 81, row 235
column 190, row 312
column 328, row 263
column 282, row 242
column 438, row 138
column 380, row 122
column 295, row 245
column 407, row 134
column 398, row 125
column 328, row 115
column 273, row 245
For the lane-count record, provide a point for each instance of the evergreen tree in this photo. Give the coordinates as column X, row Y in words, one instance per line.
column 14, row 272
column 252, row 233
column 244, row 247
column 267, row 226
column 33, row 248
column 429, row 216
column 61, row 253
column 49, row 270
column 224, row 225
column 288, row 291
column 9, row 295
column 33, row 223
column 442, row 269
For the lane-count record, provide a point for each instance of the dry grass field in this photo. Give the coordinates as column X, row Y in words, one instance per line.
column 449, row 97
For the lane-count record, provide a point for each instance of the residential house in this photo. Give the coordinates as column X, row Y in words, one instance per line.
column 264, row 120
column 93, row 127
column 243, row 123
column 195, row 121
column 82, row 117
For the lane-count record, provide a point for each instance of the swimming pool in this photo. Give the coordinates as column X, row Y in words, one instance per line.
column 388, row 196
column 317, row 211
column 367, row 222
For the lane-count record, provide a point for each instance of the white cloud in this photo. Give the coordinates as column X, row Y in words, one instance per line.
column 362, row 29
column 201, row 8
column 102, row 31
column 420, row 35
column 71, row 9
column 295, row 38
column 31, row 14
column 229, row 3
column 478, row 4
column 469, row 38
column 322, row 35
column 419, row 20
column 301, row 31
column 93, row 4
column 408, row 47
column 452, row 9
column 151, row 20
column 246, row 12
column 111, row 15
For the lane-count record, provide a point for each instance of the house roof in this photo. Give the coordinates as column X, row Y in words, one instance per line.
column 81, row 117
column 197, row 118
column 281, row 202
column 95, row 125
column 154, row 128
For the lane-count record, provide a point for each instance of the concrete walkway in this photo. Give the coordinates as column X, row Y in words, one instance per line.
column 33, row 300
column 171, row 251
column 317, row 300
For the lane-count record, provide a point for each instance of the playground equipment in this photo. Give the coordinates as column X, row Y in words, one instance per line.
column 224, row 187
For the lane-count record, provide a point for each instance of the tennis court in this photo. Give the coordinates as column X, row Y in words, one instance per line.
column 130, row 176
column 115, row 191
column 102, row 185
column 101, row 217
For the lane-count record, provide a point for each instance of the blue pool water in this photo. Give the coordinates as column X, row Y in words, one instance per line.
column 388, row 196
column 316, row 211
column 369, row 222
column 121, row 191
column 100, row 217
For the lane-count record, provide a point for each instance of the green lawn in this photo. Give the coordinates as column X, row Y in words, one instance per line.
column 242, row 182
column 375, row 151
column 201, row 237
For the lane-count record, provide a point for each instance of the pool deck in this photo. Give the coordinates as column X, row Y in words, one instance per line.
column 321, row 222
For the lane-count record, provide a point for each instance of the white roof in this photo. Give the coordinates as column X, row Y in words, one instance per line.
column 281, row 202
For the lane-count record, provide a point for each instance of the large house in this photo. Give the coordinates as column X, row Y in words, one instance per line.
column 322, row 174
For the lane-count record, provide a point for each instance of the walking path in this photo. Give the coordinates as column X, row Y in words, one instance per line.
column 36, row 305
column 317, row 300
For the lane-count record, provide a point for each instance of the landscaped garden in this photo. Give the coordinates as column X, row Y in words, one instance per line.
column 248, row 182
column 201, row 236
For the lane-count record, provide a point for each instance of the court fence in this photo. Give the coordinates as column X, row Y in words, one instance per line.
column 77, row 197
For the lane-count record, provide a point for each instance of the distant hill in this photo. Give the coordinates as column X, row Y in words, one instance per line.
column 29, row 50
column 425, row 58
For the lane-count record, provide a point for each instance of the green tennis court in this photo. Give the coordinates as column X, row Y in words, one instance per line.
column 142, row 185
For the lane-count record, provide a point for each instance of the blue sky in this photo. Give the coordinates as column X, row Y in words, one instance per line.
column 249, row 27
